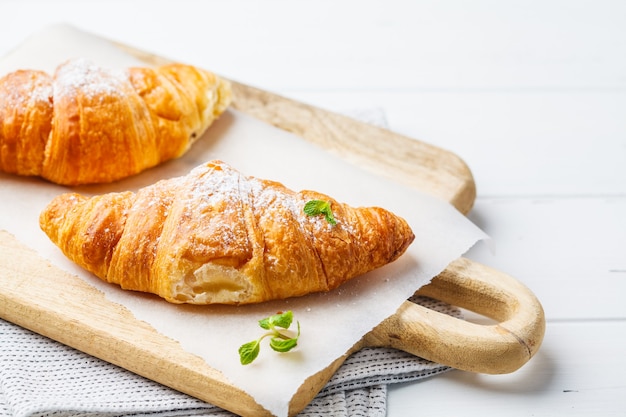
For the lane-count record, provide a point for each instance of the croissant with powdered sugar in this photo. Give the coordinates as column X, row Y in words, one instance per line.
column 218, row 236
column 86, row 124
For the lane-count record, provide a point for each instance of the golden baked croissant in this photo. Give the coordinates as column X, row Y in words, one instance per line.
column 217, row 236
column 87, row 124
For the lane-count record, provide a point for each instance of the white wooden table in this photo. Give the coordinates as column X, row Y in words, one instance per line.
column 532, row 95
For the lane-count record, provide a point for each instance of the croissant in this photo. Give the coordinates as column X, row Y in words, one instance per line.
column 86, row 124
column 215, row 236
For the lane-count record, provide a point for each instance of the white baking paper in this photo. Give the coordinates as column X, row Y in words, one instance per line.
column 332, row 322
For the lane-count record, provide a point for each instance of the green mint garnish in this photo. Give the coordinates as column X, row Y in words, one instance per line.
column 317, row 207
column 280, row 342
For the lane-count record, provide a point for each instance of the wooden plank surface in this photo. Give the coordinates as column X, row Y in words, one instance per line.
column 531, row 95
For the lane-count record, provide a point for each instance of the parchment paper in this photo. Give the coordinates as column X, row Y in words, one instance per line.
column 331, row 322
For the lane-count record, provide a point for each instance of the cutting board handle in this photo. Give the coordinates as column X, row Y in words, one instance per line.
column 497, row 348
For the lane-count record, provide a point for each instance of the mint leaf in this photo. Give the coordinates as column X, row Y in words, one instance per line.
column 265, row 323
column 283, row 345
column 282, row 320
column 329, row 216
column 248, row 352
column 279, row 342
column 317, row 207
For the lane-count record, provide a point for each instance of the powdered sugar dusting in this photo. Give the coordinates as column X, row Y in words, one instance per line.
column 272, row 195
column 219, row 191
column 23, row 93
column 219, row 185
column 216, row 189
column 92, row 81
column 42, row 93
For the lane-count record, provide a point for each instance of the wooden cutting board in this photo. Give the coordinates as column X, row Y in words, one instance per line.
column 110, row 332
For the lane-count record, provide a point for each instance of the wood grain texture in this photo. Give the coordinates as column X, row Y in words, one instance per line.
column 499, row 348
column 414, row 163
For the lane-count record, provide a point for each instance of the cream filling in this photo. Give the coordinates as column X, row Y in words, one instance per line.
column 213, row 283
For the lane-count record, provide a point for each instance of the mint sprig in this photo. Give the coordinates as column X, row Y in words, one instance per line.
column 280, row 341
column 317, row 207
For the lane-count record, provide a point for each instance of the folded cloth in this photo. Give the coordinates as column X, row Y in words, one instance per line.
column 41, row 377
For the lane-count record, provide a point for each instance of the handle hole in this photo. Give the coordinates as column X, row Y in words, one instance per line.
column 476, row 318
